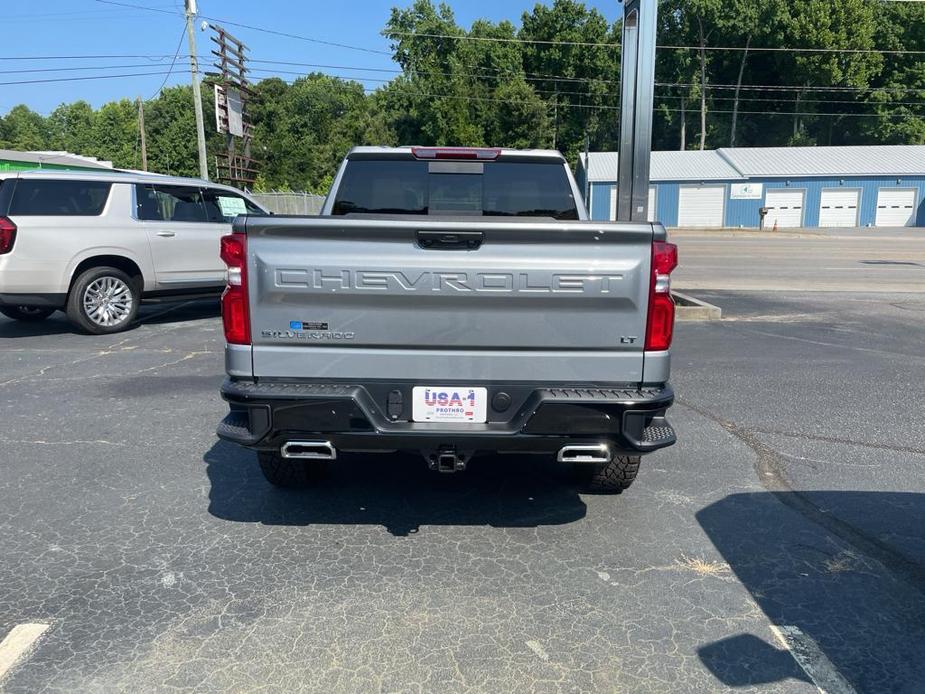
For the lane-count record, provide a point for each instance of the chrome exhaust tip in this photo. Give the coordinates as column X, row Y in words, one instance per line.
column 585, row 453
column 315, row 450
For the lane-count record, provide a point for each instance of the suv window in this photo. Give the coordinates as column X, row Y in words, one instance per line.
column 59, row 198
column 224, row 206
column 491, row 189
column 169, row 203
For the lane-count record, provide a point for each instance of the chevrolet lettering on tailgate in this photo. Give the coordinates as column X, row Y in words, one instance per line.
column 487, row 282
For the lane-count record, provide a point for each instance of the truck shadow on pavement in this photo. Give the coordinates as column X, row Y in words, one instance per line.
column 396, row 492
column 153, row 314
column 845, row 569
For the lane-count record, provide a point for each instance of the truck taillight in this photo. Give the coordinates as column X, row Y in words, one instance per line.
column 235, row 313
column 660, row 324
column 7, row 235
column 477, row 153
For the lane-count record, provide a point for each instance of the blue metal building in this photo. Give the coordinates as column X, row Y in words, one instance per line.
column 800, row 186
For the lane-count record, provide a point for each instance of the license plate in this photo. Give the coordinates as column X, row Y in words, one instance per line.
column 449, row 404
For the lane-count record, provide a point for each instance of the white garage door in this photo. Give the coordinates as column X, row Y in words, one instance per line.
column 650, row 214
column 785, row 207
column 839, row 207
column 701, row 206
column 895, row 207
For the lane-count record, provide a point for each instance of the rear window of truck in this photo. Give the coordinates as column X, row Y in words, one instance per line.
column 59, row 198
column 489, row 189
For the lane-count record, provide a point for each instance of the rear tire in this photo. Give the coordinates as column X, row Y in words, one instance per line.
column 289, row 474
column 103, row 300
column 609, row 478
column 27, row 314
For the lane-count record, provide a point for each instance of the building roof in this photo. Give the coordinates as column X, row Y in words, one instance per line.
column 57, row 158
column 737, row 163
column 692, row 165
column 876, row 160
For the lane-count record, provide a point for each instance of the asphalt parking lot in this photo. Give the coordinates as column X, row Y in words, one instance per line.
column 780, row 546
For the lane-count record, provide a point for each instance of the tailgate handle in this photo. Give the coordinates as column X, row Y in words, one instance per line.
column 450, row 240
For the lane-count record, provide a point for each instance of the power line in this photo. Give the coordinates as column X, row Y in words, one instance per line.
column 83, row 79
column 296, row 36
column 779, row 49
column 273, row 32
column 140, row 7
column 498, row 39
column 802, row 101
column 173, row 62
column 598, row 44
column 72, row 69
column 532, row 77
column 672, row 110
column 353, row 78
column 787, row 87
column 84, row 57
column 505, row 101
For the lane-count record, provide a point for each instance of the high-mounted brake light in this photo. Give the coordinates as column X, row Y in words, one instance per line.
column 7, row 235
column 235, row 310
column 477, row 153
column 660, row 324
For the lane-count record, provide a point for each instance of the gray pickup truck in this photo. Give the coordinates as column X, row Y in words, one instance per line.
column 448, row 301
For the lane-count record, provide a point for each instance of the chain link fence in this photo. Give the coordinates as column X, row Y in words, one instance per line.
column 290, row 203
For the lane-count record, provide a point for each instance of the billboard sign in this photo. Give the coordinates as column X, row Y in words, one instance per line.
column 229, row 111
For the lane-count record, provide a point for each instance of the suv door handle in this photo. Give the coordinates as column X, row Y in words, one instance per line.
column 450, row 240
column 166, row 234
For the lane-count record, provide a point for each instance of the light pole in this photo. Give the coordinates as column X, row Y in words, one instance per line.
column 637, row 87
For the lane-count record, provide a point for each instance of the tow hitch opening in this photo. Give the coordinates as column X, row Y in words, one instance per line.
column 446, row 459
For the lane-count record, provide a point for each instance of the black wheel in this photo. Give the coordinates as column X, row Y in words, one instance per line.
column 27, row 314
column 103, row 300
column 609, row 478
column 283, row 472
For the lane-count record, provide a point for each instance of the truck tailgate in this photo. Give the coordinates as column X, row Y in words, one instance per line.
column 433, row 300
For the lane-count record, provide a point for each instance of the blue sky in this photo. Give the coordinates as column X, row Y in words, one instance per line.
column 89, row 27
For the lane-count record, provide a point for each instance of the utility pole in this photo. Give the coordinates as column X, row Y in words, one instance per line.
column 637, row 87
column 141, row 129
column 197, row 95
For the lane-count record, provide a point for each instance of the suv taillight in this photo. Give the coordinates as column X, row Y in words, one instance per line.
column 235, row 313
column 7, row 235
column 660, row 324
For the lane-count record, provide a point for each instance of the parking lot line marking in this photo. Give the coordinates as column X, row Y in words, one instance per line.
column 815, row 664
column 17, row 644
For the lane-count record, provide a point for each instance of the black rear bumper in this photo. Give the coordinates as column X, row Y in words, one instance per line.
column 376, row 416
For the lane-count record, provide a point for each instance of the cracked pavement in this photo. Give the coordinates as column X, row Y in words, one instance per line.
column 164, row 562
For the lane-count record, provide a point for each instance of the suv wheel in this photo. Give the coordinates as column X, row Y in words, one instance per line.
column 27, row 314
column 285, row 472
column 609, row 478
column 103, row 300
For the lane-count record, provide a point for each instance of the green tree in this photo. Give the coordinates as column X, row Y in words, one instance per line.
column 437, row 82
column 303, row 130
column 71, row 128
column 171, row 133
column 24, row 129
column 577, row 74
column 115, row 134
column 518, row 117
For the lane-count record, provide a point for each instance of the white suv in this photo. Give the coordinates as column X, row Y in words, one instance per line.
column 95, row 245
